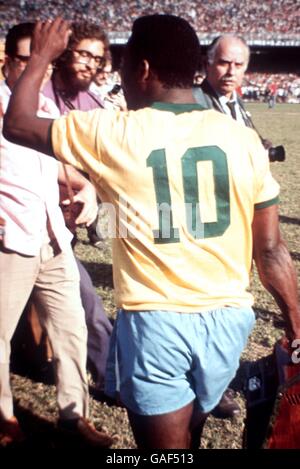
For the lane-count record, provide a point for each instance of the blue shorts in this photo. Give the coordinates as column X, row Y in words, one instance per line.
column 160, row 361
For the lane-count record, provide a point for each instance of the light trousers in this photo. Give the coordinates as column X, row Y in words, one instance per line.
column 53, row 279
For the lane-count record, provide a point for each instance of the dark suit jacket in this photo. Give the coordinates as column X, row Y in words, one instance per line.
column 208, row 98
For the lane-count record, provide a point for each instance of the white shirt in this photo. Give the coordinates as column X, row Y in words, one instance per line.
column 29, row 190
column 223, row 100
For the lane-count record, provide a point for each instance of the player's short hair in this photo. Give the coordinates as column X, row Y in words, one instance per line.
column 213, row 46
column 15, row 34
column 169, row 44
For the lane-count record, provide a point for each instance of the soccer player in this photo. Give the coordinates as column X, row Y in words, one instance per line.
column 195, row 202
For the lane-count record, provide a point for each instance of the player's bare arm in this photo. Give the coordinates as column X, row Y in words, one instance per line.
column 275, row 267
column 21, row 125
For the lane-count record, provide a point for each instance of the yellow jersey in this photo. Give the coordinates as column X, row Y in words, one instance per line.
column 182, row 184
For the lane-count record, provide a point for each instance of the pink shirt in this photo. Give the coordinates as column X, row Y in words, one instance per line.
column 29, row 190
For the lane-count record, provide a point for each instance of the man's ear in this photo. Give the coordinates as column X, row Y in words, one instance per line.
column 144, row 71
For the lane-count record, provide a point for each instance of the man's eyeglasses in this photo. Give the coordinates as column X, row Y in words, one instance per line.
column 85, row 57
column 21, row 58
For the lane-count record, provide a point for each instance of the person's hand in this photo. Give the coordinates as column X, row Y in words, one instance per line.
column 266, row 143
column 117, row 101
column 50, row 38
column 87, row 199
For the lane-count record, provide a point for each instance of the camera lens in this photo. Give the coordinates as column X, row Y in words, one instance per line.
column 115, row 89
column 277, row 153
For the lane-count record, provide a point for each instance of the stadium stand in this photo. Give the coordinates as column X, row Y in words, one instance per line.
column 272, row 19
column 271, row 28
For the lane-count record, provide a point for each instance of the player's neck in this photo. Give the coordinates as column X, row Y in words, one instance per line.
column 176, row 96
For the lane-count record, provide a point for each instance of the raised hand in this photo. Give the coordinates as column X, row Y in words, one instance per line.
column 50, row 38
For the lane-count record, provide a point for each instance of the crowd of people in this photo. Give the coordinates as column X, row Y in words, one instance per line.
column 266, row 20
column 251, row 19
column 258, row 86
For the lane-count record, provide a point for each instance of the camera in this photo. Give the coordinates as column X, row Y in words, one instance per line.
column 116, row 89
column 276, row 153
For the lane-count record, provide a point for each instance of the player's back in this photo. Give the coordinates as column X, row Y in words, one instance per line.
column 183, row 184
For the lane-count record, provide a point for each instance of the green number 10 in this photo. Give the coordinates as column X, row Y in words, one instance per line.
column 166, row 232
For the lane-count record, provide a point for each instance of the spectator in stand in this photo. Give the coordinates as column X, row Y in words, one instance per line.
column 271, row 19
column 181, row 265
column 36, row 258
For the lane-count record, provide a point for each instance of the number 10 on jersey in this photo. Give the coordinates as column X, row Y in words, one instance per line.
column 166, row 232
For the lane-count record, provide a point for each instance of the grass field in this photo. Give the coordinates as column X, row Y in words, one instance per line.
column 281, row 125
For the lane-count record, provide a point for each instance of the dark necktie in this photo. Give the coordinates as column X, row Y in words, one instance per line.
column 231, row 106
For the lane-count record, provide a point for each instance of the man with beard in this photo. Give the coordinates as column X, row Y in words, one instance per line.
column 76, row 68
column 74, row 71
